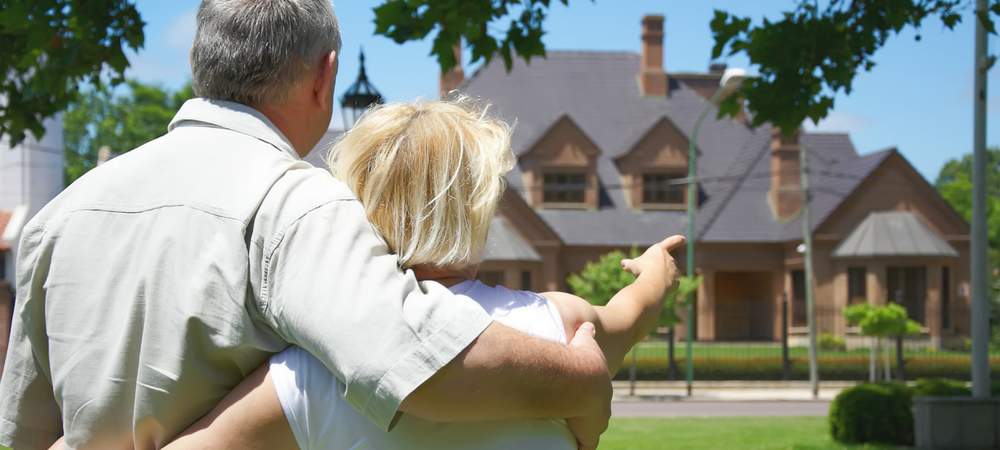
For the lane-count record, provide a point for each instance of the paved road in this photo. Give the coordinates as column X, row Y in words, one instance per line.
column 718, row 408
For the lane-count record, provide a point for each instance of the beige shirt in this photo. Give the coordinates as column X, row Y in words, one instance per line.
column 155, row 283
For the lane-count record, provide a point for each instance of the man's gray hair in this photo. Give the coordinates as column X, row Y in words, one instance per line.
column 257, row 51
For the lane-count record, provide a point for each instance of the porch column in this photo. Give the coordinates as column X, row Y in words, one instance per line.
column 778, row 283
column 550, row 268
column 876, row 284
column 706, row 306
column 839, row 300
column 932, row 306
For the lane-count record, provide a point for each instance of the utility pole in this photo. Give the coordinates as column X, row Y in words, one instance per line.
column 810, row 297
column 980, row 304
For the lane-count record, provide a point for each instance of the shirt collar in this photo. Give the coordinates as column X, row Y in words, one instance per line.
column 232, row 116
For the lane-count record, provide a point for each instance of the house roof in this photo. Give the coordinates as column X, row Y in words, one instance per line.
column 600, row 92
column 739, row 211
column 892, row 233
column 4, row 220
column 504, row 244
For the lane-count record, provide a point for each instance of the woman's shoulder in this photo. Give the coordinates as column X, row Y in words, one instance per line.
column 524, row 311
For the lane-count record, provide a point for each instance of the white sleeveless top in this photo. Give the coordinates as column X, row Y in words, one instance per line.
column 312, row 397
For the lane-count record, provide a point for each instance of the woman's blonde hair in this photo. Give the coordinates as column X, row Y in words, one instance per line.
column 429, row 174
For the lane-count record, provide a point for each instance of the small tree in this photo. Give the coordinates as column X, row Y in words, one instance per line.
column 879, row 322
column 600, row 280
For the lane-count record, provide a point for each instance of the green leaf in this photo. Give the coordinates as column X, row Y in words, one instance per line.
column 984, row 18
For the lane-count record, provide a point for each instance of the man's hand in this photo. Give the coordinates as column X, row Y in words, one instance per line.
column 505, row 374
column 589, row 427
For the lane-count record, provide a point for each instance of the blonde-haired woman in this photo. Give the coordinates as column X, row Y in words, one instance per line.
column 430, row 175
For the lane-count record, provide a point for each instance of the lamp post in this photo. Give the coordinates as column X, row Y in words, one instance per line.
column 359, row 97
column 730, row 79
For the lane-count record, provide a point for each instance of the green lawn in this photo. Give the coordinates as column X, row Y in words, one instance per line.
column 739, row 433
column 727, row 433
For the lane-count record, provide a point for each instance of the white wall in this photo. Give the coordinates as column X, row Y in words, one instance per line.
column 31, row 174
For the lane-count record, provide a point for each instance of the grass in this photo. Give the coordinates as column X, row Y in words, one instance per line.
column 724, row 433
column 741, row 433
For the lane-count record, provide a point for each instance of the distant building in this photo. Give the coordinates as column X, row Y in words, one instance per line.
column 31, row 174
column 602, row 140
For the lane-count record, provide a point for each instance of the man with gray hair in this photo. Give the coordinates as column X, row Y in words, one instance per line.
column 155, row 283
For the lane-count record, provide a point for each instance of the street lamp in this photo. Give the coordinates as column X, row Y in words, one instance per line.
column 358, row 97
column 731, row 79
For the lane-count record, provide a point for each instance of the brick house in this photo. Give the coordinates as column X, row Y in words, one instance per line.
column 601, row 136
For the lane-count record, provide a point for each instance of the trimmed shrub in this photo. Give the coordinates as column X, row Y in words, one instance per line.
column 878, row 413
column 846, row 368
column 831, row 342
column 940, row 387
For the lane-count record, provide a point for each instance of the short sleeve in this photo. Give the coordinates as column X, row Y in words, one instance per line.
column 331, row 287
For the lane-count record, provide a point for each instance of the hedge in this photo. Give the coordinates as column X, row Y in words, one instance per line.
column 878, row 413
column 831, row 368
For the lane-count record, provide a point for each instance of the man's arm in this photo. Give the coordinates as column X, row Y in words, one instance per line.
column 506, row 374
column 633, row 311
column 330, row 286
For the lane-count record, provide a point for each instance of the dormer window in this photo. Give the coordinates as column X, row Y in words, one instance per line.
column 564, row 187
column 652, row 168
column 659, row 189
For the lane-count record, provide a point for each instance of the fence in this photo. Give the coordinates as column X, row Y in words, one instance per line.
column 783, row 354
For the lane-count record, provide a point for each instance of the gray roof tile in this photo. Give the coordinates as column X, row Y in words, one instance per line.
column 892, row 233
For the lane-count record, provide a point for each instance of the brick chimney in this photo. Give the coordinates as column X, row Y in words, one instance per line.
column 652, row 78
column 454, row 77
column 785, row 195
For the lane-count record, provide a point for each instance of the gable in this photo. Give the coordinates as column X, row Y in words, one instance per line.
column 662, row 146
column 894, row 186
column 564, row 144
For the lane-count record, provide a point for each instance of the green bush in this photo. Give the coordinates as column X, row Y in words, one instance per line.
column 831, row 342
column 878, row 413
column 845, row 368
column 940, row 387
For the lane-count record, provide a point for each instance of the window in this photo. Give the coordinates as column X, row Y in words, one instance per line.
column 525, row 280
column 657, row 189
column 564, row 187
column 908, row 287
column 945, row 298
column 490, row 278
column 799, row 298
column 857, row 291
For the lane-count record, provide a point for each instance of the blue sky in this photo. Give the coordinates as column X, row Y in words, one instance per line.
column 918, row 98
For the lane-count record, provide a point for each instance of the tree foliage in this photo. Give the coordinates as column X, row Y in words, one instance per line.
column 99, row 117
column 600, row 280
column 48, row 47
column 476, row 20
column 814, row 52
column 954, row 183
column 881, row 321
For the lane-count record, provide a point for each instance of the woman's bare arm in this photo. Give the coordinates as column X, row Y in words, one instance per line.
column 249, row 417
column 632, row 312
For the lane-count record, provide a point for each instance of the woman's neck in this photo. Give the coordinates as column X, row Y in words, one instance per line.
column 446, row 276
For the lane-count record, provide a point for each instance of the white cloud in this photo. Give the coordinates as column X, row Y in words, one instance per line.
column 839, row 122
column 180, row 33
